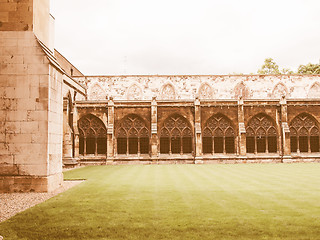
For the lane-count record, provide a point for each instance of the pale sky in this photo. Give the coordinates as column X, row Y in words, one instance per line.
column 115, row 37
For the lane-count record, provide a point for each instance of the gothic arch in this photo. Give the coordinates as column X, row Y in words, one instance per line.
column 92, row 135
column 279, row 90
column 132, row 135
column 261, row 134
column 168, row 92
column 205, row 91
column 96, row 92
column 218, row 135
column 134, row 92
column 314, row 91
column 176, row 135
column 241, row 90
column 304, row 134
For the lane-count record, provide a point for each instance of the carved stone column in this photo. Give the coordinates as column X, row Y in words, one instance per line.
column 67, row 132
column 285, row 127
column 242, row 148
column 154, row 129
column 197, row 130
column 110, row 132
column 75, row 132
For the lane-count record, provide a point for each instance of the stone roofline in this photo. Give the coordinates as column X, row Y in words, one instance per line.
column 69, row 63
column 204, row 75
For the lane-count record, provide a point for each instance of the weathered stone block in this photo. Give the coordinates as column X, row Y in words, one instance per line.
column 8, row 169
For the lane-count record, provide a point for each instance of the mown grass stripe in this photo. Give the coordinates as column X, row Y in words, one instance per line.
column 248, row 201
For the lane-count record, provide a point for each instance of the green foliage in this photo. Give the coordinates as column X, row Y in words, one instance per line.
column 190, row 202
column 286, row 71
column 309, row 69
column 269, row 67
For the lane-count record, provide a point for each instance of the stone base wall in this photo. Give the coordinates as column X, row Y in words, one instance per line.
column 30, row 183
column 230, row 160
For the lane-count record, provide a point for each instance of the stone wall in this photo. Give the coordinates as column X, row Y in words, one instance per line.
column 31, row 115
column 241, row 114
column 16, row 15
column 206, row 87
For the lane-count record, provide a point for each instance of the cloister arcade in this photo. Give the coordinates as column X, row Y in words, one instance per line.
column 179, row 136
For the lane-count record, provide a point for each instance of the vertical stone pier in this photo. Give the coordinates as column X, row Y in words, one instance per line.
column 285, row 128
column 154, row 129
column 242, row 151
column 110, row 132
column 198, row 136
column 31, row 104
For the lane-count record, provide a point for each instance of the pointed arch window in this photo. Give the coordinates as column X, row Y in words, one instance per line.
column 92, row 136
column 261, row 135
column 218, row 135
column 176, row 136
column 132, row 136
column 304, row 134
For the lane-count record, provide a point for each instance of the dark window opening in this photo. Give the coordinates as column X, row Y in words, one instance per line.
column 314, row 143
column 175, row 145
column 250, row 145
column 261, row 144
column 272, row 144
column 144, row 145
column 164, row 145
column 122, row 145
column 218, row 144
column 81, row 145
column 133, row 145
column 303, row 143
column 294, row 144
column 229, row 144
column 207, row 144
column 90, row 146
column 101, row 145
column 187, row 144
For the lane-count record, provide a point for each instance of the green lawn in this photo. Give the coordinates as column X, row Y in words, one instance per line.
column 246, row 201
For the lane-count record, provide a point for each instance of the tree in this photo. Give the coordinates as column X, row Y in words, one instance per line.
column 269, row 67
column 286, row 71
column 309, row 69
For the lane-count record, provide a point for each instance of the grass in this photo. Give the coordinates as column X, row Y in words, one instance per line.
column 247, row 201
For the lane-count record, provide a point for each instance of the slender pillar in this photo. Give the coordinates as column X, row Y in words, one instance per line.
column 197, row 131
column 154, row 129
column 242, row 130
column 67, row 131
column 75, row 132
column 110, row 132
column 285, row 128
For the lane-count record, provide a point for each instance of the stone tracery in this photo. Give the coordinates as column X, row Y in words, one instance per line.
column 314, row 91
column 218, row 135
column 261, row 135
column 304, row 134
column 132, row 136
column 176, row 136
column 96, row 92
column 168, row 92
column 205, row 91
column 241, row 90
column 134, row 92
column 92, row 135
column 279, row 91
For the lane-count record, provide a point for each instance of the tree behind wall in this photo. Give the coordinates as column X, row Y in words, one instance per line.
column 270, row 67
column 309, row 68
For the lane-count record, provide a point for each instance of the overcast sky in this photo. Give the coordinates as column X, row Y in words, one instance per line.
column 114, row 37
